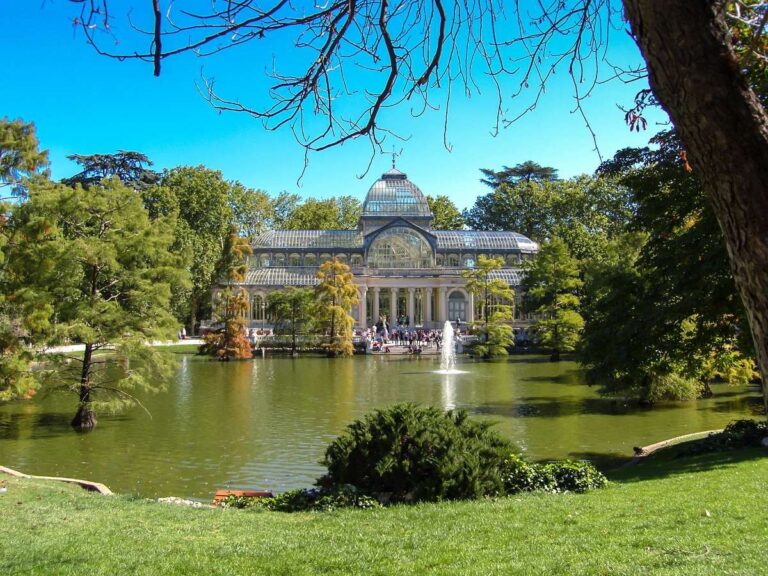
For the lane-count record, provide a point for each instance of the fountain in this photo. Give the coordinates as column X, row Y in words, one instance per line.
column 448, row 352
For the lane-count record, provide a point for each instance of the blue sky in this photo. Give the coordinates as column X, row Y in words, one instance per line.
column 83, row 103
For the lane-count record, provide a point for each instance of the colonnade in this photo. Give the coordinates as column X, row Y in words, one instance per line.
column 424, row 306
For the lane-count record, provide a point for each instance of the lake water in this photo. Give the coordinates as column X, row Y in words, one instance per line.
column 266, row 423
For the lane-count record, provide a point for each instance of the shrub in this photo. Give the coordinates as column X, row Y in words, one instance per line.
column 565, row 476
column 408, row 453
column 737, row 434
column 570, row 476
column 307, row 500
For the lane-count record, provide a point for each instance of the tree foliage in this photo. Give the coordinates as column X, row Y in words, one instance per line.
column 230, row 341
column 497, row 298
column 586, row 212
column 552, row 284
column 293, row 311
column 341, row 213
column 89, row 266
column 524, row 172
column 132, row 168
column 336, row 293
column 202, row 198
column 446, row 215
column 664, row 317
column 20, row 155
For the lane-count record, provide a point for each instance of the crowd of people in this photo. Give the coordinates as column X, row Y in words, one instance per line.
column 381, row 337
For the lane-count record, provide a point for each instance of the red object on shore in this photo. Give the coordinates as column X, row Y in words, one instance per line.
column 224, row 494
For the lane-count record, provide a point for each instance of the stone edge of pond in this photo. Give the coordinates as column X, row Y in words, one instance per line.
column 85, row 484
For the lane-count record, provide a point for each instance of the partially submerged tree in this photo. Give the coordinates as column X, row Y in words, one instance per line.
column 497, row 307
column 92, row 264
column 335, row 295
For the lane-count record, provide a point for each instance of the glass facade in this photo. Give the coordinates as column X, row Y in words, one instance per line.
column 400, row 247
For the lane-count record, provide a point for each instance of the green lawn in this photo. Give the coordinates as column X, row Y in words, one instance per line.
column 703, row 515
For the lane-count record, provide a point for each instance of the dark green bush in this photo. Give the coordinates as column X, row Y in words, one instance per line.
column 737, row 434
column 564, row 476
column 408, row 453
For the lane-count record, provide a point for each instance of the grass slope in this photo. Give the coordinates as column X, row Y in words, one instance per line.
column 703, row 515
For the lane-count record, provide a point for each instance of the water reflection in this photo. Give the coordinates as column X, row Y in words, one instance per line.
column 265, row 423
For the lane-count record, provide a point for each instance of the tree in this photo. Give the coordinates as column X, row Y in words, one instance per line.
column 92, row 264
column 20, row 156
column 203, row 200
column 524, row 172
column 551, row 283
column 282, row 207
column 584, row 211
column 340, row 213
column 293, row 310
column 130, row 167
column 252, row 210
column 696, row 71
column 446, row 215
column 497, row 307
column 231, row 340
column 336, row 293
column 663, row 316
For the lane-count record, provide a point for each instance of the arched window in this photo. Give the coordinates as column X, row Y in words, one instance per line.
column 512, row 259
column 294, row 260
column 264, row 260
column 258, row 307
column 457, row 306
column 356, row 260
column 452, row 260
column 324, row 258
column 468, row 261
column 342, row 258
column 310, row 260
column 439, row 259
column 279, row 259
column 400, row 247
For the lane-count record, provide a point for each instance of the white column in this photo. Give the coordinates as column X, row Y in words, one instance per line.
column 362, row 311
column 443, row 305
column 428, row 307
column 393, row 306
column 471, row 311
column 411, row 306
column 376, row 313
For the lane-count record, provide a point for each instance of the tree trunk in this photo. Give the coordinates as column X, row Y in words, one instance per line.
column 192, row 314
column 695, row 75
column 85, row 420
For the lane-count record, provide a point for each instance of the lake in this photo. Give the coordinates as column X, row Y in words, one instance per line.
column 265, row 423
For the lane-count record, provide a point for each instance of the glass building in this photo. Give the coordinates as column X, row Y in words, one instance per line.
column 402, row 266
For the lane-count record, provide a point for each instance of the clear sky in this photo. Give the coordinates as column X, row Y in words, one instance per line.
column 83, row 103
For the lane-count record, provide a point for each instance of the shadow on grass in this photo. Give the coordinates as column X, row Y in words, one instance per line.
column 670, row 462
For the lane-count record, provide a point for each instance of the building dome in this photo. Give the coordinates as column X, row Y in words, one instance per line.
column 394, row 195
